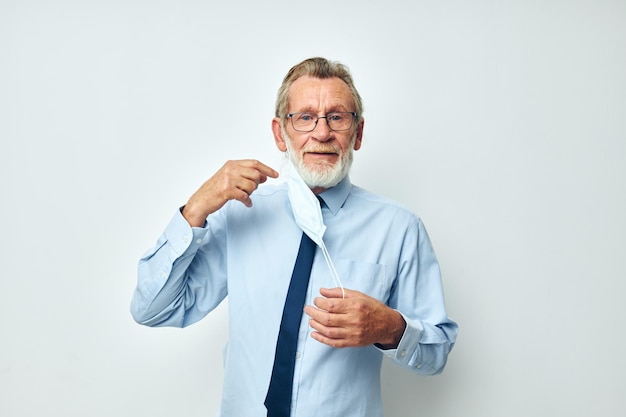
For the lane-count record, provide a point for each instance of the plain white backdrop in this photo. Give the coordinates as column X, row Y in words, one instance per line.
column 501, row 123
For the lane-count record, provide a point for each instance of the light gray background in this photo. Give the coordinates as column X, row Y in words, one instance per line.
column 501, row 123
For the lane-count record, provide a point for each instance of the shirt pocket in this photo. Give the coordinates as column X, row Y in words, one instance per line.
column 365, row 277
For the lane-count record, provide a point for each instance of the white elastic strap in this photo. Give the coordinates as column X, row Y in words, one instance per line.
column 333, row 271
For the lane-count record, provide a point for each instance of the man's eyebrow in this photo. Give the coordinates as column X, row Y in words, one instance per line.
column 310, row 109
column 307, row 109
column 339, row 107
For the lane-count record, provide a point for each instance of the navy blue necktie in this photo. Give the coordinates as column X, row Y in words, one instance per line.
column 278, row 400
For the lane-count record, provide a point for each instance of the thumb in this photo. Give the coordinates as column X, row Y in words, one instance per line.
column 334, row 292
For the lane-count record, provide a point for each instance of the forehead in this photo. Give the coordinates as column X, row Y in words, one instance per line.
column 308, row 93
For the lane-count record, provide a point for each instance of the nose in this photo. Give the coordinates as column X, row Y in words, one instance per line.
column 322, row 132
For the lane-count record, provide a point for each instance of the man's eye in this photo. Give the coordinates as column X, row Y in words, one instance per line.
column 305, row 117
column 336, row 117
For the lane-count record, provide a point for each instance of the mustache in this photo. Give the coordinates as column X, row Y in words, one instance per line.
column 322, row 149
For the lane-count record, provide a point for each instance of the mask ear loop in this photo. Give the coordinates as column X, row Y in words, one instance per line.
column 333, row 271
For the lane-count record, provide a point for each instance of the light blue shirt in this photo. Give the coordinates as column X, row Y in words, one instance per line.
column 378, row 247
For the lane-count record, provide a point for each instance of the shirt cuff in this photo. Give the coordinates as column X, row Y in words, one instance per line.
column 182, row 237
column 404, row 354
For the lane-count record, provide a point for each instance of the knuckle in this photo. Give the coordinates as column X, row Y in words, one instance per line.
column 340, row 344
column 359, row 306
column 334, row 343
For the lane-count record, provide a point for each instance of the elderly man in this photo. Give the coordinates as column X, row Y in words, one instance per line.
column 389, row 299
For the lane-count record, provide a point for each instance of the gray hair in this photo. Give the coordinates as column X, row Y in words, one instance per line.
column 317, row 68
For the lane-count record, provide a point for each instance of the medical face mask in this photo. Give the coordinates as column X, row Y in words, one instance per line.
column 308, row 214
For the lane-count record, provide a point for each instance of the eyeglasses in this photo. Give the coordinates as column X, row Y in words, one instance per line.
column 307, row 121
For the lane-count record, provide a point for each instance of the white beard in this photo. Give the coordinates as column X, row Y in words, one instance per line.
column 324, row 175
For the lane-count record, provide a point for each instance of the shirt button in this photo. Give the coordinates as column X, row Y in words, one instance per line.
column 198, row 241
column 403, row 353
column 298, row 355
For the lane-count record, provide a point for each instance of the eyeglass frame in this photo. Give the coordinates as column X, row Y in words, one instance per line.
column 290, row 116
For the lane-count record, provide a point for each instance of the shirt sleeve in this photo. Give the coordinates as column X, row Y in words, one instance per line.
column 418, row 295
column 182, row 278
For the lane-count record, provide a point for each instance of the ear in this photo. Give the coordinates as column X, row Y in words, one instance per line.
column 359, row 135
column 277, row 130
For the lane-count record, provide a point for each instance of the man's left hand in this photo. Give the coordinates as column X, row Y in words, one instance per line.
column 356, row 320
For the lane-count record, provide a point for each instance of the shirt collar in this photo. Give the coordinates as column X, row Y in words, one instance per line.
column 336, row 196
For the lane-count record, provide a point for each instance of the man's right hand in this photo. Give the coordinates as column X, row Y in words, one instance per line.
column 236, row 180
